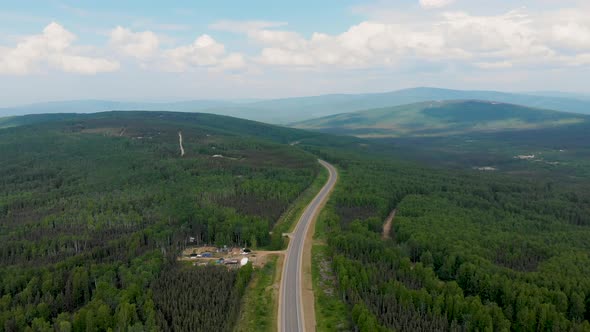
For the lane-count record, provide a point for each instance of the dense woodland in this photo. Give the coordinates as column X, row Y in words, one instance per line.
column 560, row 151
column 470, row 251
column 94, row 210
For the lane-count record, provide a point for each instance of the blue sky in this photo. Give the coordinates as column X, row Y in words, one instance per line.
column 152, row 50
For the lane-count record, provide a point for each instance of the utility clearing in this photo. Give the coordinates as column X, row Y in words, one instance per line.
column 180, row 143
column 387, row 226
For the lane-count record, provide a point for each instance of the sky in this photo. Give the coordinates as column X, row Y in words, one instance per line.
column 181, row 50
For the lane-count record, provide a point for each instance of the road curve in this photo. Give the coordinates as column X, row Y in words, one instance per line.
column 290, row 305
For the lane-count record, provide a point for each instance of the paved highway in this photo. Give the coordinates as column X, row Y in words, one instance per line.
column 290, row 305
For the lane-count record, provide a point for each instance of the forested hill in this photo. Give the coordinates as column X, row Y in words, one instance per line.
column 288, row 110
column 204, row 121
column 95, row 208
column 217, row 123
column 437, row 118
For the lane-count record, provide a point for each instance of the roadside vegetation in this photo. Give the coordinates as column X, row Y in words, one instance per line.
column 259, row 306
column 288, row 220
column 331, row 312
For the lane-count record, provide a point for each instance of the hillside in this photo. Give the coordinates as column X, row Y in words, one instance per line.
column 287, row 110
column 440, row 118
column 94, row 209
column 319, row 106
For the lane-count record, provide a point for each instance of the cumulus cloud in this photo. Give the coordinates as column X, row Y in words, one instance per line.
column 433, row 4
column 572, row 35
column 51, row 49
column 204, row 51
column 518, row 38
column 363, row 45
column 508, row 35
column 515, row 38
column 141, row 45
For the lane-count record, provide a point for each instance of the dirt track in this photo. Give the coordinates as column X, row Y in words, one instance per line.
column 180, row 143
column 387, row 226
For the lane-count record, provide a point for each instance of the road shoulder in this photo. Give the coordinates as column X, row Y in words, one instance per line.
column 260, row 302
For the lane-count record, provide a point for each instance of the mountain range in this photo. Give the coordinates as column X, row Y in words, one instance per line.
column 290, row 110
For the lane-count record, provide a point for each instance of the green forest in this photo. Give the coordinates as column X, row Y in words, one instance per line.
column 469, row 251
column 94, row 210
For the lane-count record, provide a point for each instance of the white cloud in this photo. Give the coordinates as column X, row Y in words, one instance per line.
column 494, row 65
column 516, row 38
column 509, row 35
column 364, row 45
column 432, row 4
column 572, row 35
column 82, row 65
column 234, row 61
column 50, row 49
column 245, row 26
column 203, row 52
column 141, row 45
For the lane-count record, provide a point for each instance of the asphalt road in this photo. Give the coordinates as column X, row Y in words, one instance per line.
column 290, row 305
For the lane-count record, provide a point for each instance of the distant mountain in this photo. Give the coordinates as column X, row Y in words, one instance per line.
column 297, row 109
column 438, row 118
column 239, row 108
column 559, row 94
column 288, row 110
column 93, row 106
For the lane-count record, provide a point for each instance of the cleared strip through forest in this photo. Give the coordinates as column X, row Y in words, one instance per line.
column 387, row 226
column 180, row 142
